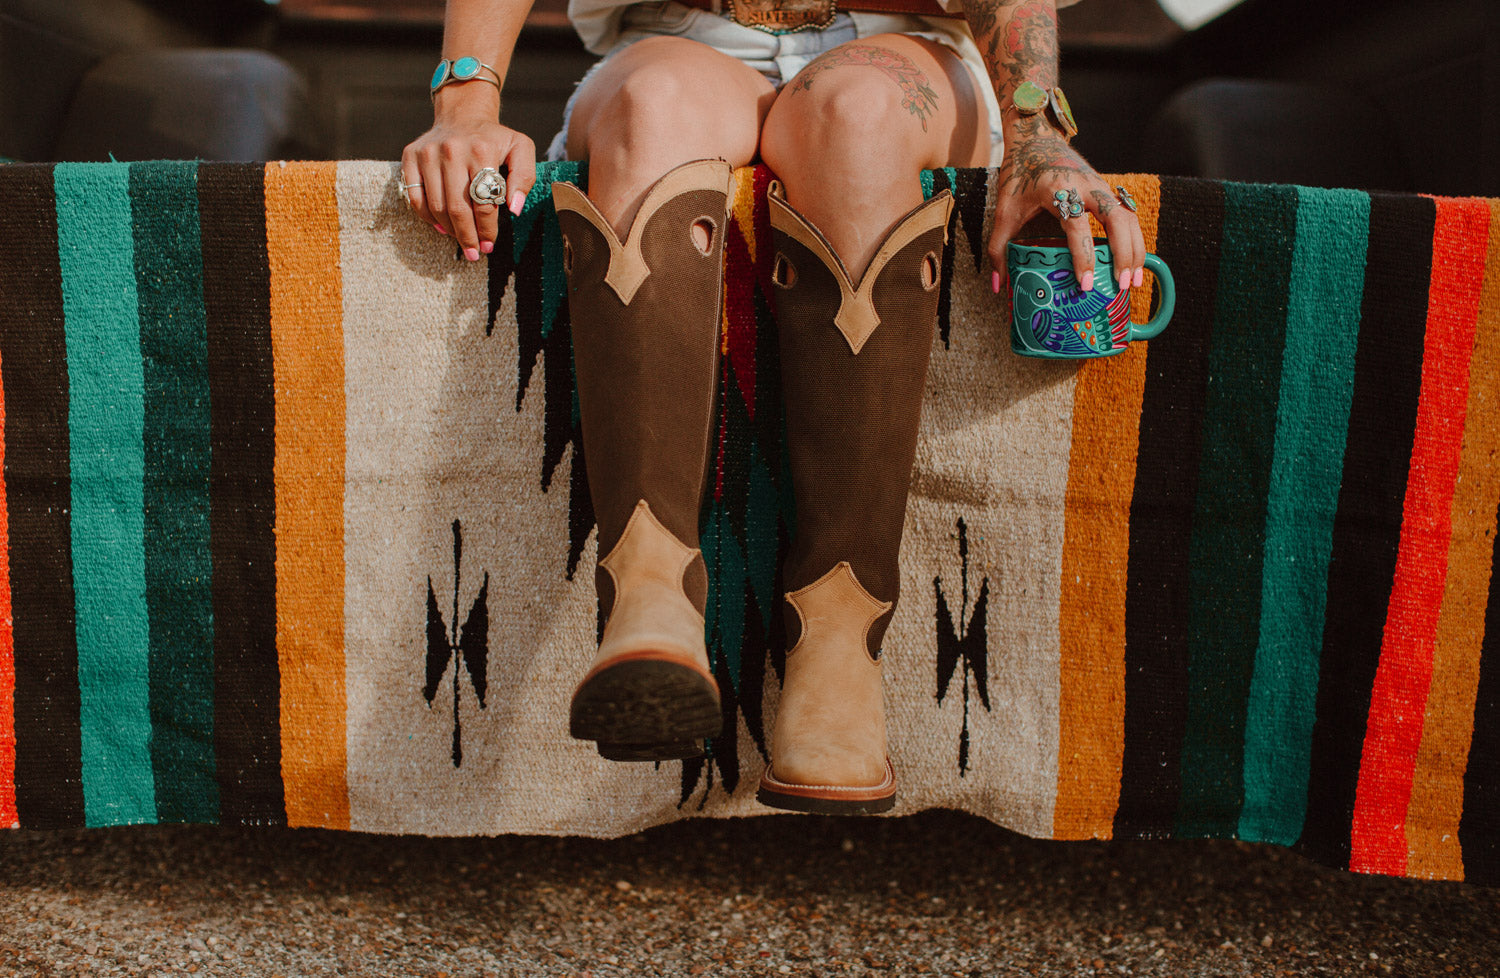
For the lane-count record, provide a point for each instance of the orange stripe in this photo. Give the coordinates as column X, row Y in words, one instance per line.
column 9, row 818
column 1398, row 699
column 307, row 346
column 1096, row 547
column 1438, row 784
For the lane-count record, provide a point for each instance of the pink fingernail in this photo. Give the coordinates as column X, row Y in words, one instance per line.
column 472, row 254
column 1087, row 281
column 1125, row 280
column 1140, row 273
column 486, row 246
column 995, row 282
column 440, row 229
column 517, row 201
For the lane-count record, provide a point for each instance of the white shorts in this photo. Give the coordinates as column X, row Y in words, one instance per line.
column 780, row 56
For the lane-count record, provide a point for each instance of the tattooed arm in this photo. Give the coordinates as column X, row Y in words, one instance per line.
column 1019, row 41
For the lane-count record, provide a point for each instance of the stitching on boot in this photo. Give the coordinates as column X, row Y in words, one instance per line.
column 829, row 580
column 642, row 514
column 857, row 318
column 769, row 775
column 627, row 265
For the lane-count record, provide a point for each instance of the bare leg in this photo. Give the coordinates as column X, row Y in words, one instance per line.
column 660, row 103
column 884, row 108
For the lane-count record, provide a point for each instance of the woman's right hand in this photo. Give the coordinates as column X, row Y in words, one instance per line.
column 465, row 139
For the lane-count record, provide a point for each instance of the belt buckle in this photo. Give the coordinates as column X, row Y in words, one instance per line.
column 783, row 16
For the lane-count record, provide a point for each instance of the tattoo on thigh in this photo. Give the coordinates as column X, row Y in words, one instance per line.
column 917, row 94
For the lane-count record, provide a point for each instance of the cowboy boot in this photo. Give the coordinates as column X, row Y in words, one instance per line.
column 853, row 365
column 645, row 316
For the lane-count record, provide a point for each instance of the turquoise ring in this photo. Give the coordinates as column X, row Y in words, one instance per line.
column 1069, row 203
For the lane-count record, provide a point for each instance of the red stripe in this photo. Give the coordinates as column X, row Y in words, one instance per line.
column 1119, row 317
column 8, row 815
column 1399, row 697
column 739, row 297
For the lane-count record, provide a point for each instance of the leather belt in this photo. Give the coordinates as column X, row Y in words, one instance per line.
column 781, row 16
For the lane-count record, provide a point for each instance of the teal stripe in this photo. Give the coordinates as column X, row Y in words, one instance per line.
column 1229, row 516
column 1317, row 383
column 105, row 426
column 179, row 569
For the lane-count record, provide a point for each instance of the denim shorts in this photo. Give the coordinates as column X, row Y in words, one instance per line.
column 779, row 56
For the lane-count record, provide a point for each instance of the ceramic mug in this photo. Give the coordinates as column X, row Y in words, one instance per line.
column 1051, row 314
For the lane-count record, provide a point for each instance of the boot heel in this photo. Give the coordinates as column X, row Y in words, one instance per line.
column 648, row 707
column 675, row 751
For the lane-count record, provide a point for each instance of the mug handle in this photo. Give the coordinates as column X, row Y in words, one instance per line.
column 1157, row 323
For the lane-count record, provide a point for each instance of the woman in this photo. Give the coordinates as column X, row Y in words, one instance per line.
column 846, row 107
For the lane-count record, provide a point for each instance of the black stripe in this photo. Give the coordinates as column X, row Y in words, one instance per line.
column 1367, row 526
column 1479, row 826
column 34, row 363
column 237, row 307
column 1158, row 597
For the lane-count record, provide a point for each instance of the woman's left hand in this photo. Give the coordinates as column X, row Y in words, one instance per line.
column 1038, row 165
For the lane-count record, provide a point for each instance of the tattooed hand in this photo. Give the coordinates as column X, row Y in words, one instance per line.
column 1019, row 41
column 1038, row 165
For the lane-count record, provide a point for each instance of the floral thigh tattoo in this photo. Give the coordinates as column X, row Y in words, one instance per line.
column 917, row 95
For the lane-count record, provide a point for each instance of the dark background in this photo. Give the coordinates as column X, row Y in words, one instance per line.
column 1379, row 95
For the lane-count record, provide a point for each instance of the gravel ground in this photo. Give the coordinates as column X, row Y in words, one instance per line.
column 940, row 893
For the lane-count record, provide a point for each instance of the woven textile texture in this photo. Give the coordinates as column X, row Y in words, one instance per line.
column 297, row 530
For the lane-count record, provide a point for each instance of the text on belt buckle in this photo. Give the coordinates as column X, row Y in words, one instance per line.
column 781, row 16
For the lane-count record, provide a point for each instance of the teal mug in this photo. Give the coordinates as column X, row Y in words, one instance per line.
column 1053, row 316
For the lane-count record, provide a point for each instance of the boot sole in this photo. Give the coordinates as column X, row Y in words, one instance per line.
column 677, row 751
column 824, row 806
column 646, row 710
column 828, row 799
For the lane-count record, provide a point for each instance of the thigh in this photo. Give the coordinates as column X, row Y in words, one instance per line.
column 908, row 99
column 674, row 90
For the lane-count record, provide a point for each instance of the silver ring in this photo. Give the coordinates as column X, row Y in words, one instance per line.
column 409, row 186
column 487, row 187
column 1069, row 203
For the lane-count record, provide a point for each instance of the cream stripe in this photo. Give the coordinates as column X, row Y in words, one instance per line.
column 993, row 450
column 434, row 436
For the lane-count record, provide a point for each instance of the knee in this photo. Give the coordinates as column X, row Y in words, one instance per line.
column 657, row 100
column 856, row 112
column 853, row 119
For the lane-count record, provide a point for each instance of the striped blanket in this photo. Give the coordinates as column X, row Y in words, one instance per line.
column 296, row 527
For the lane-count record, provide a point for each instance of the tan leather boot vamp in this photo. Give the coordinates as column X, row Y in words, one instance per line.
column 652, row 616
column 649, row 691
column 828, row 740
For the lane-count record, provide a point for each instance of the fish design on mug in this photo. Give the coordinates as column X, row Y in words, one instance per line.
column 1067, row 320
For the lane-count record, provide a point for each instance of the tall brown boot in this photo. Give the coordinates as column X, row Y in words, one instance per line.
column 645, row 317
column 854, row 365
